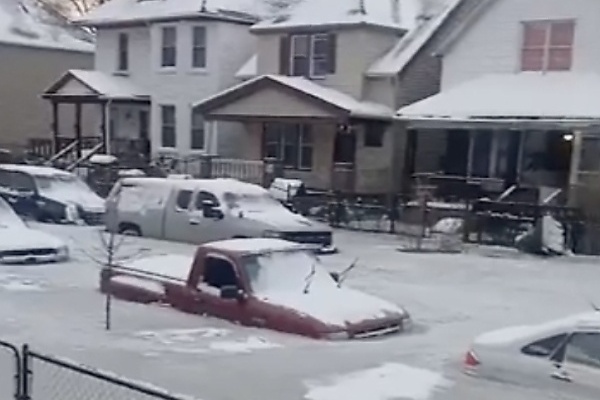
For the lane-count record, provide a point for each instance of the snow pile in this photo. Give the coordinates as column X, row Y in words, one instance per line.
column 449, row 226
column 389, row 381
column 178, row 336
column 244, row 346
column 284, row 189
column 27, row 23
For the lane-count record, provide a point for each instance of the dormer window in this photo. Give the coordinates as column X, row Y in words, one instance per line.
column 309, row 55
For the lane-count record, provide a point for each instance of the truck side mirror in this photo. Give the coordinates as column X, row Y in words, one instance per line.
column 231, row 292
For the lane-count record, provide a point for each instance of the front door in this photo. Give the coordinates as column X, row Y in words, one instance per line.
column 220, row 271
column 456, row 158
column 177, row 220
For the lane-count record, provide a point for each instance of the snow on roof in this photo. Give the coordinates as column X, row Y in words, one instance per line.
column 558, row 95
column 116, row 11
column 406, row 49
column 255, row 245
column 336, row 98
column 35, row 170
column 110, row 86
column 175, row 266
column 526, row 332
column 400, row 14
column 27, row 23
column 218, row 186
column 249, row 69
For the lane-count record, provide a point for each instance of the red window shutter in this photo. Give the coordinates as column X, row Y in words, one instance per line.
column 532, row 60
column 562, row 33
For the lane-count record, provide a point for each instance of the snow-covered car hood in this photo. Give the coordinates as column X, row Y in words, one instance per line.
column 285, row 221
column 24, row 238
column 87, row 200
column 338, row 307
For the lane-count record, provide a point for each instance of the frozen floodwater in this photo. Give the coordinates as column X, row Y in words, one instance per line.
column 57, row 309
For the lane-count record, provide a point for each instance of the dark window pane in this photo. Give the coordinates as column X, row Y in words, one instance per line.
column 203, row 196
column 560, row 59
column 300, row 66
column 168, row 132
column 584, row 348
column 183, row 199
column 169, row 36
column 374, row 134
column 199, row 47
column 199, row 36
column 544, row 347
column 306, row 157
column 197, row 132
column 300, row 45
column 562, row 33
column 481, row 154
column 199, row 58
column 123, row 62
column 532, row 60
column 590, row 149
column 169, row 47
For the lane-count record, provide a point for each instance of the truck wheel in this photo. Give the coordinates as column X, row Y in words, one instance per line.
column 130, row 230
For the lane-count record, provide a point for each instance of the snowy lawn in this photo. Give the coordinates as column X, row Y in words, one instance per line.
column 57, row 309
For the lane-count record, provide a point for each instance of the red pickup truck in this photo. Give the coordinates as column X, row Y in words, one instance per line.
column 268, row 283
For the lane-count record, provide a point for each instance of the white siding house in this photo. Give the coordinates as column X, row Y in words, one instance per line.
column 518, row 97
column 175, row 53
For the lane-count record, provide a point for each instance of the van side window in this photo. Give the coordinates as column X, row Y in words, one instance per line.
column 5, row 179
column 203, row 196
column 183, row 199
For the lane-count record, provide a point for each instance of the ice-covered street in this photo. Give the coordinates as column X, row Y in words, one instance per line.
column 57, row 309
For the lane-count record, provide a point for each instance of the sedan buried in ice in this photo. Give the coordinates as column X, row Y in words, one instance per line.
column 561, row 356
column 269, row 283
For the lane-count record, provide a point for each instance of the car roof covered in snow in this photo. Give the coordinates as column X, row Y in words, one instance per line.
column 35, row 170
column 255, row 246
column 217, row 186
column 518, row 334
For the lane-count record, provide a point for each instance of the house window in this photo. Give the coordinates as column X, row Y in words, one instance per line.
column 168, row 132
column 547, row 46
column 199, row 47
column 290, row 143
column 374, row 133
column 123, row 55
column 197, row 142
column 168, row 55
column 312, row 55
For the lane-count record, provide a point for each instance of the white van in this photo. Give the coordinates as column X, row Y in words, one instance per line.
column 204, row 210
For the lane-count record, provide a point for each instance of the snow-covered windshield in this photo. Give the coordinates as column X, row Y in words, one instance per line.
column 60, row 183
column 288, row 271
column 251, row 202
column 8, row 218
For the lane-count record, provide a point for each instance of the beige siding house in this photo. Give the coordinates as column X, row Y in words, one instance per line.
column 35, row 48
column 319, row 95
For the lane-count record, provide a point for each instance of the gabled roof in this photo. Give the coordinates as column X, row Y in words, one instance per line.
column 530, row 95
column 474, row 15
column 394, row 62
column 312, row 13
column 27, row 23
column 328, row 97
column 99, row 85
column 135, row 11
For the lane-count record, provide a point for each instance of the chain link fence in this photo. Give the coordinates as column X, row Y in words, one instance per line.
column 29, row 375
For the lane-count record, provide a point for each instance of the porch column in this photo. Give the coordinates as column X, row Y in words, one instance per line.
column 78, row 129
column 103, row 128
column 55, row 126
column 575, row 158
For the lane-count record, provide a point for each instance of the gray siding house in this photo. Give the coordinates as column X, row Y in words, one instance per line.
column 36, row 46
column 319, row 95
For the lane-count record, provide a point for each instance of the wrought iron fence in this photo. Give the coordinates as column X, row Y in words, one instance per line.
column 29, row 375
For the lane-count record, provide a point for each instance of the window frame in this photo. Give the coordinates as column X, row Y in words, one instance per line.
column 322, row 57
column 547, row 47
column 304, row 140
column 123, row 52
column 293, row 54
column 195, row 46
column 164, row 127
column 194, row 130
column 163, row 47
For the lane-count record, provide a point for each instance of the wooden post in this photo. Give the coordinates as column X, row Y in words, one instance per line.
column 103, row 130
column 78, row 129
column 55, row 126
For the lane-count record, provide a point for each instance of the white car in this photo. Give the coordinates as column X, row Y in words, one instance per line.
column 21, row 244
column 561, row 356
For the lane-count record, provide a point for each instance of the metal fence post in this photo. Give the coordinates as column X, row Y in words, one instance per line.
column 26, row 374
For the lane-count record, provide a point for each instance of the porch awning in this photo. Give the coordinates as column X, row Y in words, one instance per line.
column 275, row 96
column 558, row 99
column 86, row 85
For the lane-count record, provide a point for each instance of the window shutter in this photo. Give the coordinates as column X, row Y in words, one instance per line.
column 332, row 52
column 284, row 55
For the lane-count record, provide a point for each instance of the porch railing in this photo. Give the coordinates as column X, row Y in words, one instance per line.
column 245, row 170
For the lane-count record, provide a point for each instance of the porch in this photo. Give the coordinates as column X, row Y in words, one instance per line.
column 327, row 139
column 516, row 137
column 116, row 115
